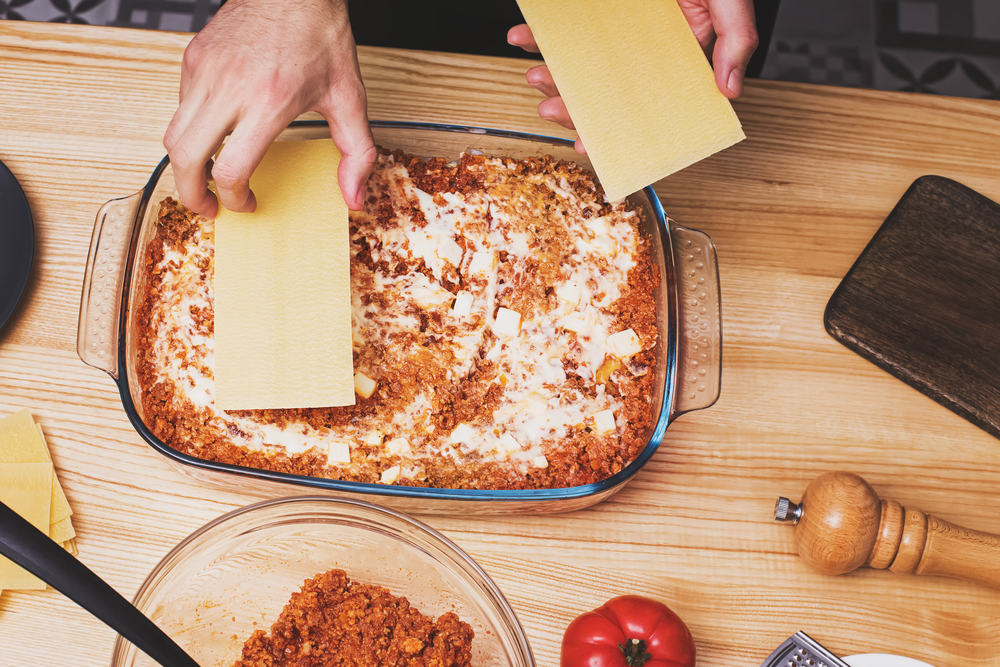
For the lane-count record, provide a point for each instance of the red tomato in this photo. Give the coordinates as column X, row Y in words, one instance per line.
column 630, row 630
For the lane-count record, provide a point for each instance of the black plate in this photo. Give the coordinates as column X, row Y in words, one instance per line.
column 17, row 243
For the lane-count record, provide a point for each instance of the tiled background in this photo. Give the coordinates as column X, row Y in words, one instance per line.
column 949, row 47
column 180, row 15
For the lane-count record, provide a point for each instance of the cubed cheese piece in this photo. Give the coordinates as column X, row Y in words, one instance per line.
column 598, row 226
column 624, row 344
column 364, row 386
column 390, row 475
column 338, row 452
column 605, row 421
column 540, row 462
column 574, row 322
column 463, row 433
column 414, row 472
column 535, row 404
column 481, row 262
column 606, row 244
column 508, row 322
column 398, row 445
column 508, row 444
column 463, row 304
column 374, row 438
column 569, row 292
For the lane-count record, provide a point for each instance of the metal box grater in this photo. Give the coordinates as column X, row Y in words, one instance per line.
column 801, row 650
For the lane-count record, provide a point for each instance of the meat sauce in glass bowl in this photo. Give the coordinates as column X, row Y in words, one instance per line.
column 235, row 575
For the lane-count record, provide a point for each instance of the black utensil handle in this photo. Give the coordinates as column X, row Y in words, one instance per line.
column 35, row 552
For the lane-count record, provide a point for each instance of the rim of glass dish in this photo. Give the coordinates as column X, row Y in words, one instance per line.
column 486, row 581
column 415, row 492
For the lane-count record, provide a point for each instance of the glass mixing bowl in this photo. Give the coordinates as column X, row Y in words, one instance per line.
column 235, row 575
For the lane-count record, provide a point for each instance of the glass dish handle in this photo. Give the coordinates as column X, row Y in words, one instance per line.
column 699, row 345
column 97, row 336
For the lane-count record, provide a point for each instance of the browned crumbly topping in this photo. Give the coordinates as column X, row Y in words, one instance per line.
column 418, row 362
column 335, row 621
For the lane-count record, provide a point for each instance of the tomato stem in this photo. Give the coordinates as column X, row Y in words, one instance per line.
column 634, row 651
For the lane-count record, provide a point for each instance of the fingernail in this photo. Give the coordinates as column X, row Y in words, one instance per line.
column 359, row 196
column 735, row 82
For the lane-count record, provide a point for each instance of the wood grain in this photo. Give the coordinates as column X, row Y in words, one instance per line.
column 957, row 551
column 890, row 534
column 839, row 528
column 912, row 542
column 789, row 209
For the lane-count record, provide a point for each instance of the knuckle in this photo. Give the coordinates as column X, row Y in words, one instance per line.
column 181, row 159
column 192, row 56
column 171, row 137
column 748, row 39
column 370, row 154
column 276, row 90
column 361, row 145
column 347, row 94
column 229, row 176
column 169, row 140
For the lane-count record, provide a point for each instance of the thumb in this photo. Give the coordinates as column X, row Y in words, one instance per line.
column 734, row 25
column 350, row 132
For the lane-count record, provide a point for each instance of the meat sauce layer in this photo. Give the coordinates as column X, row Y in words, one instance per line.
column 503, row 326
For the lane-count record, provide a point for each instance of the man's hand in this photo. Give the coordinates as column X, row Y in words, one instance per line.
column 725, row 28
column 250, row 72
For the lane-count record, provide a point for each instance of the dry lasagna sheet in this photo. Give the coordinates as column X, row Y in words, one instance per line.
column 503, row 326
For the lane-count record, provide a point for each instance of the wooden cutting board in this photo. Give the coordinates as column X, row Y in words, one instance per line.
column 923, row 299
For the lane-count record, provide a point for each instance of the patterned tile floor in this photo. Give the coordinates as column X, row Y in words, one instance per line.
column 949, row 47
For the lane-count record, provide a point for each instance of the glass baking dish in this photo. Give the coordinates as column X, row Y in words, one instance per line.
column 689, row 319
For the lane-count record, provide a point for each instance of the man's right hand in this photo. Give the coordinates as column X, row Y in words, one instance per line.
column 250, row 72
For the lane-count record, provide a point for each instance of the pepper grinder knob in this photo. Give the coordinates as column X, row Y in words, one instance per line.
column 786, row 510
column 841, row 524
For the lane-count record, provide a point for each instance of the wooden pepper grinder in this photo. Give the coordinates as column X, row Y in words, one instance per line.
column 840, row 525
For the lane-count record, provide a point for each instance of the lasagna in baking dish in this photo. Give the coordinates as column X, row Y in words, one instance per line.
column 503, row 327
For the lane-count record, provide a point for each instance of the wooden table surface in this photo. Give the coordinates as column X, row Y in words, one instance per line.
column 82, row 113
